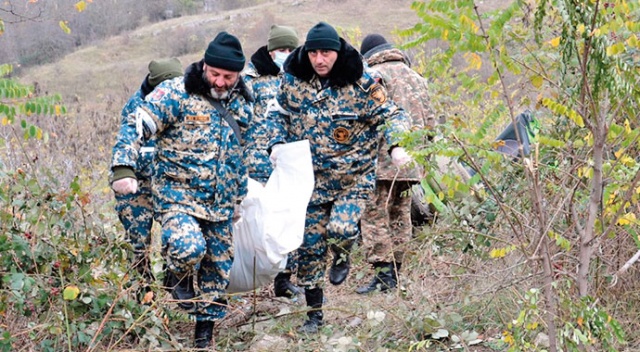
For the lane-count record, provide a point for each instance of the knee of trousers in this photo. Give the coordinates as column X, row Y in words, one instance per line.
column 186, row 253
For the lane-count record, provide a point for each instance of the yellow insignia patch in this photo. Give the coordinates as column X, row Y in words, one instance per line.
column 198, row 118
column 378, row 94
column 341, row 134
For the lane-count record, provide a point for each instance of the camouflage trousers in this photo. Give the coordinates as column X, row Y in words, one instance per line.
column 191, row 245
column 386, row 223
column 331, row 223
column 135, row 212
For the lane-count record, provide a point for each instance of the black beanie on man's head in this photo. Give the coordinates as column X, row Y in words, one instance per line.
column 371, row 41
column 225, row 52
column 322, row 37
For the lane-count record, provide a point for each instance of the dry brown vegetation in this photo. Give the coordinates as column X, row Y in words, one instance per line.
column 97, row 80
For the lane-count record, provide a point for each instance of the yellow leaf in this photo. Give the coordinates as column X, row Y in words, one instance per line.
column 555, row 42
column 469, row 22
column 615, row 49
column 70, row 293
column 474, row 60
column 58, row 110
column 65, row 28
column 80, row 6
column 5, row 121
column 497, row 144
column 618, row 153
column 445, row 34
column 537, row 81
column 39, row 134
column 627, row 126
column 580, row 321
column 580, row 29
column 627, row 219
column 633, row 41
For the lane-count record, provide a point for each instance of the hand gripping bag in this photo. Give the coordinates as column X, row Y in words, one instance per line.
column 273, row 218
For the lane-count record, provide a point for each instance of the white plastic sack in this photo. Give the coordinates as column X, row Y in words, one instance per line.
column 273, row 217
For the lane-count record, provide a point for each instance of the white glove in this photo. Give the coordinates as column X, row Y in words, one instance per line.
column 125, row 185
column 273, row 157
column 399, row 157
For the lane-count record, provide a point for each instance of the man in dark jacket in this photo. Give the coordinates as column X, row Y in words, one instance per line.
column 200, row 175
column 328, row 98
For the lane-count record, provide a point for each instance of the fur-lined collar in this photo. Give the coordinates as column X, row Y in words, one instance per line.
column 194, row 84
column 347, row 69
column 263, row 63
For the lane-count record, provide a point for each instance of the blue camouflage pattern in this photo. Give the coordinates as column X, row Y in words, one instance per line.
column 199, row 162
column 337, row 221
column 342, row 117
column 193, row 245
column 199, row 177
column 264, row 88
column 135, row 211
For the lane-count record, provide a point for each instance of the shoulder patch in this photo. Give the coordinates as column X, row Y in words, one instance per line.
column 378, row 93
column 156, row 94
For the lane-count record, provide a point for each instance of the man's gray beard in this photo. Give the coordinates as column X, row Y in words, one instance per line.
column 219, row 96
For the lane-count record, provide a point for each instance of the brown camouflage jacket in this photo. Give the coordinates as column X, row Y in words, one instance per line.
column 409, row 90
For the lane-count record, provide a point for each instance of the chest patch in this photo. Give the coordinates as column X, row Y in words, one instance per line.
column 378, row 94
column 198, row 118
column 341, row 134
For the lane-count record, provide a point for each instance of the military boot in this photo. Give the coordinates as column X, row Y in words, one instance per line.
column 283, row 287
column 340, row 265
column 181, row 289
column 204, row 334
column 314, row 298
column 386, row 278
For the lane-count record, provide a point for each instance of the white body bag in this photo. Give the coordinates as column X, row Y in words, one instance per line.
column 273, row 218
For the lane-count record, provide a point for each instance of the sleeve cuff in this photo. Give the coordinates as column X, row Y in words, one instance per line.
column 120, row 172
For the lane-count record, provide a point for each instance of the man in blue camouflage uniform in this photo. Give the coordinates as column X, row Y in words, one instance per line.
column 135, row 210
column 327, row 97
column 200, row 174
column 263, row 75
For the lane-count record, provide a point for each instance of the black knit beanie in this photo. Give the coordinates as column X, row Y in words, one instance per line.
column 225, row 52
column 322, row 37
column 371, row 41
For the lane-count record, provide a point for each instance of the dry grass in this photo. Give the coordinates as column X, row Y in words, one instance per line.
column 96, row 81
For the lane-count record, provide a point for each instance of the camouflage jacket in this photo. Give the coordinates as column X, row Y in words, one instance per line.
column 144, row 166
column 199, row 161
column 411, row 92
column 342, row 121
column 262, row 76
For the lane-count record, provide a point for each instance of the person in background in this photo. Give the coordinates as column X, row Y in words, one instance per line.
column 386, row 224
column 200, row 178
column 263, row 75
column 328, row 98
column 135, row 210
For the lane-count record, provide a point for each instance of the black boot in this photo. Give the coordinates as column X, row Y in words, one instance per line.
column 283, row 287
column 340, row 266
column 181, row 289
column 386, row 278
column 314, row 299
column 204, row 334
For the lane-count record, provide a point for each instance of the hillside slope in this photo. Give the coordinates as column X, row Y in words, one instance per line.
column 112, row 68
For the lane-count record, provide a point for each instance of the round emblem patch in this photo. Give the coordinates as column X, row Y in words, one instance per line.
column 378, row 94
column 341, row 134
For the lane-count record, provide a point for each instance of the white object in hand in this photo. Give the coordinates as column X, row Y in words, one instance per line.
column 125, row 185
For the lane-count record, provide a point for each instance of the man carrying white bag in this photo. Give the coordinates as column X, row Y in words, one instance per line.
column 272, row 219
